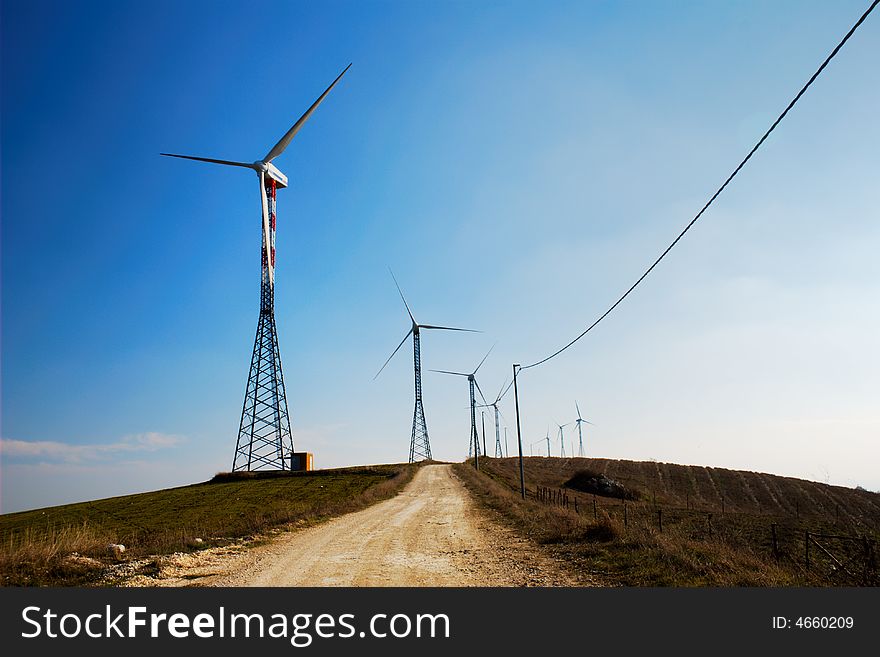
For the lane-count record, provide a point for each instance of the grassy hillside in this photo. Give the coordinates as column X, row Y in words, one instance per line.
column 35, row 546
column 688, row 525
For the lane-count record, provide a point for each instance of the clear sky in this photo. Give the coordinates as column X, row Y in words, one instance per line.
column 517, row 164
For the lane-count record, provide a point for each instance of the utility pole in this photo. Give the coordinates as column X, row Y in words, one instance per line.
column 522, row 477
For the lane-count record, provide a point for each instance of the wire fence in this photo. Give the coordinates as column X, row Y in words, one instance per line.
column 846, row 559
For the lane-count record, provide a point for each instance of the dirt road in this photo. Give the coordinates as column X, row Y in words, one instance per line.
column 431, row 534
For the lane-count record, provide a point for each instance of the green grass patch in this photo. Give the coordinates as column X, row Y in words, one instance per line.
column 36, row 546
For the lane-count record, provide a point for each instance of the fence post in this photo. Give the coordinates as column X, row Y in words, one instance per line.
column 624, row 514
column 660, row 519
column 687, row 501
column 595, row 510
column 722, row 505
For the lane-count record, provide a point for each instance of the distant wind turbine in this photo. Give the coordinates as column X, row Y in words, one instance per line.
column 537, row 442
column 472, row 383
column 494, row 405
column 562, row 438
column 579, row 422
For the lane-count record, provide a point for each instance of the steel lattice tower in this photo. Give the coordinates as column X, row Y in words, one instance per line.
column 419, row 445
column 475, row 439
column 264, row 437
column 498, row 451
column 579, row 422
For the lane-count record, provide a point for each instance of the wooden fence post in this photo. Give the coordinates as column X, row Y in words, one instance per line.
column 595, row 510
column 624, row 514
column 660, row 519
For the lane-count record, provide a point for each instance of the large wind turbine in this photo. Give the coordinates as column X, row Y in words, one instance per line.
column 419, row 444
column 579, row 422
column 264, row 437
column 472, row 382
column 498, row 451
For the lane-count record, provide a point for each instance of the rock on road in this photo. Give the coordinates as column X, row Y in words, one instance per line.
column 431, row 534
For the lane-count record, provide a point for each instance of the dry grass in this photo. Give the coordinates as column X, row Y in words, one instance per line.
column 697, row 545
column 67, row 545
column 69, row 555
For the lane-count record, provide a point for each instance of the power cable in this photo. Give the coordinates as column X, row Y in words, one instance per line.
column 718, row 192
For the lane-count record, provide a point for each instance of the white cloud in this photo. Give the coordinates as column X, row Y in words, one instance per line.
column 58, row 452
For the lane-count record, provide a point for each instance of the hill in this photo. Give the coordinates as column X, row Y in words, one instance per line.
column 36, row 546
column 648, row 523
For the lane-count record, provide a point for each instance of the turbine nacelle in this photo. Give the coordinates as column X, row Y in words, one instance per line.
column 270, row 170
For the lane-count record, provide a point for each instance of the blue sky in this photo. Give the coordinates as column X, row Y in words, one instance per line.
column 518, row 165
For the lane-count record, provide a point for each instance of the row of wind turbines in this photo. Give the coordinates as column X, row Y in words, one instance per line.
column 579, row 421
column 420, row 444
column 265, row 439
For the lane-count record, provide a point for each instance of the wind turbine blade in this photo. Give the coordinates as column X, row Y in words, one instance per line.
column 506, row 390
column 447, row 328
column 278, row 148
column 482, row 396
column 500, row 392
column 401, row 296
column 577, row 407
column 484, row 358
column 266, row 233
column 448, row 372
column 246, row 165
column 408, row 333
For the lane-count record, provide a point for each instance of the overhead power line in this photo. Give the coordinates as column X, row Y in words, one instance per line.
column 718, row 192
